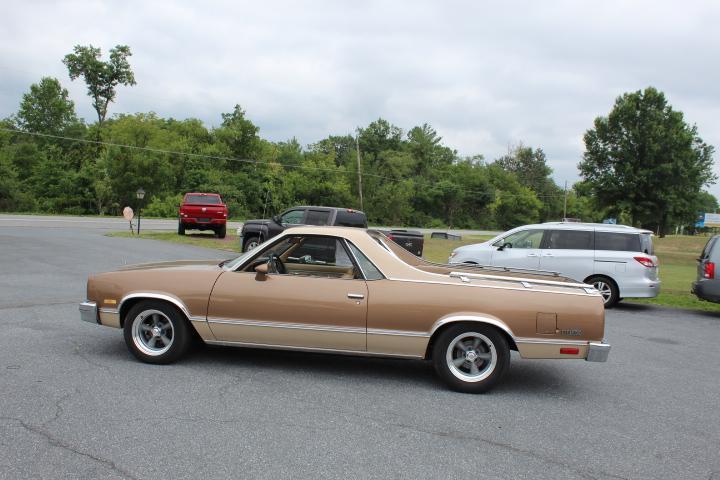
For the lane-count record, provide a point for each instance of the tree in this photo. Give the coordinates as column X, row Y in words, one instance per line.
column 46, row 108
column 239, row 134
column 101, row 77
column 531, row 168
column 644, row 159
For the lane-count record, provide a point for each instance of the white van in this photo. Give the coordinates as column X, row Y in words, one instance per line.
column 616, row 259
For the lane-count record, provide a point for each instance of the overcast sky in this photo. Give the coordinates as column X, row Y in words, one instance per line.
column 484, row 74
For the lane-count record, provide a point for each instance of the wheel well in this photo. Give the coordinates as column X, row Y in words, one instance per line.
column 438, row 332
column 131, row 302
column 250, row 235
column 602, row 276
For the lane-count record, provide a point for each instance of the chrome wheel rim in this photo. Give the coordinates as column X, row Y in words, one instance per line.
column 251, row 245
column 471, row 357
column 152, row 332
column 604, row 289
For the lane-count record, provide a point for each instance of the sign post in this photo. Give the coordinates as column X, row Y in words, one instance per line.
column 129, row 214
column 140, row 195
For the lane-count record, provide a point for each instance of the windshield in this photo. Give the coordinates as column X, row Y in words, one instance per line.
column 233, row 263
column 203, row 199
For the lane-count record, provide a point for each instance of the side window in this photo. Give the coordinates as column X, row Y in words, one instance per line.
column 570, row 239
column 522, row 239
column 369, row 269
column 293, row 217
column 317, row 217
column 622, row 242
column 318, row 257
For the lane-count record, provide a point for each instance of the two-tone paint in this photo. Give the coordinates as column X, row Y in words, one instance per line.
column 541, row 315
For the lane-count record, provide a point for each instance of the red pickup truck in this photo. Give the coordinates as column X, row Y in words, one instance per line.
column 203, row 211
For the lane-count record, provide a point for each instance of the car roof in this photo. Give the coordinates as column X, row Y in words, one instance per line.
column 347, row 232
column 603, row 227
column 351, row 210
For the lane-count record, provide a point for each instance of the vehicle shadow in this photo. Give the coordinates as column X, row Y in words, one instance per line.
column 644, row 307
column 522, row 377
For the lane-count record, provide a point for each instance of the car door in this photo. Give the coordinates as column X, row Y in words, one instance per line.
column 520, row 249
column 317, row 300
column 290, row 218
column 568, row 252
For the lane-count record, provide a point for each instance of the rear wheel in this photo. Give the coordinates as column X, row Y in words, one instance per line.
column 471, row 358
column 181, row 228
column 155, row 332
column 607, row 288
column 221, row 232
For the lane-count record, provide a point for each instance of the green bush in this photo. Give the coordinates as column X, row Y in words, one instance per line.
column 165, row 207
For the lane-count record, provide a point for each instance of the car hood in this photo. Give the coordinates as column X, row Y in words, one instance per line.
column 256, row 222
column 175, row 265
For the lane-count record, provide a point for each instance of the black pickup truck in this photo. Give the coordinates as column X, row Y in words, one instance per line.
column 254, row 232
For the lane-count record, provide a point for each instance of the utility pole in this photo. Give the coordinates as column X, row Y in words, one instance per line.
column 565, row 202
column 357, row 149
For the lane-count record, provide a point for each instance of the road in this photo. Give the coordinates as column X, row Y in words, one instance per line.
column 118, row 223
column 75, row 404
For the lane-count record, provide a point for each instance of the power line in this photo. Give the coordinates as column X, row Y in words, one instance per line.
column 244, row 160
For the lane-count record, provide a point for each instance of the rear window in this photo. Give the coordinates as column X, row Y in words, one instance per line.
column 203, row 199
column 351, row 218
column 708, row 248
column 621, row 242
column 317, row 217
column 570, row 239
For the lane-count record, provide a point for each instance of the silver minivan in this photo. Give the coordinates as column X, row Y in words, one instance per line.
column 616, row 259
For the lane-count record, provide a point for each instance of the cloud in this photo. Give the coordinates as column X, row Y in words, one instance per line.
column 485, row 75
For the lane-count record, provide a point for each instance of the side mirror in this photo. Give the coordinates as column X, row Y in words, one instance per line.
column 261, row 272
column 276, row 219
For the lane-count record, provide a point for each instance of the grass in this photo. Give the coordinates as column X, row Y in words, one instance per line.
column 207, row 240
column 677, row 256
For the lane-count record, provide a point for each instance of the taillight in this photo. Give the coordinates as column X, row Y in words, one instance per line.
column 709, row 270
column 391, row 236
column 645, row 261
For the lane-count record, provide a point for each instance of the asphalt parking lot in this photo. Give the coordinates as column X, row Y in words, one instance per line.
column 75, row 404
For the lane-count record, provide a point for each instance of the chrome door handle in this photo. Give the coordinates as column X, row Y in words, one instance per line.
column 358, row 296
column 532, row 254
column 548, row 255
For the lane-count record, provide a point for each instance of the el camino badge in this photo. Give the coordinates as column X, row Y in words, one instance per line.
column 571, row 332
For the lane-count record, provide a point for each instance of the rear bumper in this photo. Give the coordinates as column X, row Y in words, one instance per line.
column 567, row 349
column 196, row 221
column 598, row 352
column 707, row 290
column 639, row 288
column 89, row 312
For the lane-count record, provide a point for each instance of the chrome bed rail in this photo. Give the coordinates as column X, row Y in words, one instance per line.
column 466, row 277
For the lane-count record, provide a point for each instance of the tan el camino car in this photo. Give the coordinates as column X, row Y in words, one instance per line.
column 352, row 291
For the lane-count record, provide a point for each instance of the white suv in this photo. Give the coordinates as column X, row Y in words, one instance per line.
column 618, row 260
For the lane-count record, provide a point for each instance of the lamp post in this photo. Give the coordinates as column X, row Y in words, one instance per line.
column 140, row 195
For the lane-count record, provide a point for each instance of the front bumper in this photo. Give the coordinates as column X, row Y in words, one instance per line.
column 598, row 351
column 89, row 312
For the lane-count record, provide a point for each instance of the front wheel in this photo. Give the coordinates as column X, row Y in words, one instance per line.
column 607, row 288
column 471, row 358
column 251, row 243
column 156, row 332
